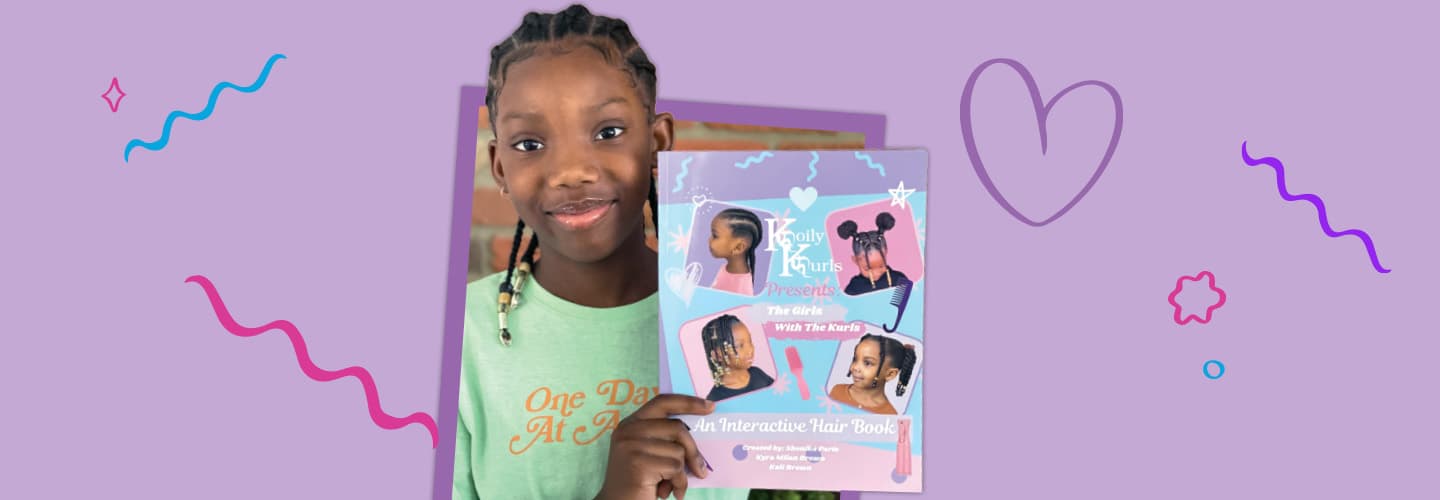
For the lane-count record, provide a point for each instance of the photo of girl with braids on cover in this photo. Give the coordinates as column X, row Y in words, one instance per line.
column 727, row 354
column 876, row 372
column 735, row 233
column 870, row 249
column 727, row 244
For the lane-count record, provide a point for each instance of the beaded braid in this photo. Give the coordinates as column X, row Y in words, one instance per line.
column 719, row 339
column 613, row 40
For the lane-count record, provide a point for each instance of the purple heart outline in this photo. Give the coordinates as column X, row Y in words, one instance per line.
column 1042, row 112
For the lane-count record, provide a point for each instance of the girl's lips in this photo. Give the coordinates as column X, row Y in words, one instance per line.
column 583, row 214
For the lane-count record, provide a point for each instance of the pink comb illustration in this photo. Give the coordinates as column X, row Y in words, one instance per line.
column 796, row 367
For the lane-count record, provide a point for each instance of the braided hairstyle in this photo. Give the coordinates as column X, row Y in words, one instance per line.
column 867, row 241
column 745, row 224
column 901, row 356
column 719, row 338
column 560, row 32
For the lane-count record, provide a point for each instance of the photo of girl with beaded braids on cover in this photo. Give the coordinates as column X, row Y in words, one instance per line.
column 731, row 357
column 727, row 354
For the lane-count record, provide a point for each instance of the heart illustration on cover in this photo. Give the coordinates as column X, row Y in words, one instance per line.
column 803, row 198
column 683, row 281
column 1042, row 113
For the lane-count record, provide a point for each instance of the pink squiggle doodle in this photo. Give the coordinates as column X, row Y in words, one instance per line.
column 814, row 330
column 372, row 394
column 1180, row 285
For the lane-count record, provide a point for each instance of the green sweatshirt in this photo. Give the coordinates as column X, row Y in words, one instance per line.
column 535, row 417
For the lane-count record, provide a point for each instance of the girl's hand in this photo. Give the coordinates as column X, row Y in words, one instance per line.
column 649, row 451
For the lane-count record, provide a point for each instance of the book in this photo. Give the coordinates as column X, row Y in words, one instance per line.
column 792, row 295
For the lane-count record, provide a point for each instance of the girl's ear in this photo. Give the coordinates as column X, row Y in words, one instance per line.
column 662, row 131
column 740, row 246
column 891, row 373
column 497, row 171
column 662, row 138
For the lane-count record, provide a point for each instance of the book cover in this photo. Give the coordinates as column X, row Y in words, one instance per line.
column 793, row 296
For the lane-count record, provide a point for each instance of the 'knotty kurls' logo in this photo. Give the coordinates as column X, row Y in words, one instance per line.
column 552, row 410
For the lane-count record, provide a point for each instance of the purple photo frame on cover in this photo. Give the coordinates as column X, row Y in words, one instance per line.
column 471, row 99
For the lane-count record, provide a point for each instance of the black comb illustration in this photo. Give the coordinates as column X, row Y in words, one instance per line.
column 899, row 298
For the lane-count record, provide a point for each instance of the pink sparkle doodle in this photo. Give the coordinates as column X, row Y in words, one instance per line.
column 821, row 299
column 1180, row 317
column 781, row 385
column 372, row 394
column 115, row 88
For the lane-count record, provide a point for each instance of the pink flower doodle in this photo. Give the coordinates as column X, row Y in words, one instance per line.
column 1180, row 317
column 828, row 404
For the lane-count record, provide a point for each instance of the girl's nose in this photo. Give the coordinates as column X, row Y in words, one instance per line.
column 573, row 167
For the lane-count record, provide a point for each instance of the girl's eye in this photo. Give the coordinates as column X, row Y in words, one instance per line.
column 609, row 133
column 528, row 145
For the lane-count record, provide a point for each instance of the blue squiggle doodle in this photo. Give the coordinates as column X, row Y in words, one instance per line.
column 684, row 170
column 754, row 159
column 814, row 158
column 204, row 113
column 871, row 162
column 1314, row 200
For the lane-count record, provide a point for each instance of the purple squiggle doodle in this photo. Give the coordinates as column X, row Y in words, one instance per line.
column 1314, row 200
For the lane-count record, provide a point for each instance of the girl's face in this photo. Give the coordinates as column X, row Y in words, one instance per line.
column 575, row 148
column 744, row 350
column 871, row 264
column 723, row 242
column 865, row 366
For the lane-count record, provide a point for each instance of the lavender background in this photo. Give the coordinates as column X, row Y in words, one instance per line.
column 325, row 198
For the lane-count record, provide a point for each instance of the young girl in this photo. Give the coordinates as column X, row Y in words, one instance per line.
column 560, row 371
column 734, row 234
column 731, row 356
column 870, row 250
column 877, row 361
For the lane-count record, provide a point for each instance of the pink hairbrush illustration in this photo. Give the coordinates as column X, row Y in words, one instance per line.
column 796, row 367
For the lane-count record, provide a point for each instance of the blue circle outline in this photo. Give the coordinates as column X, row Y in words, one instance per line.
column 1205, row 369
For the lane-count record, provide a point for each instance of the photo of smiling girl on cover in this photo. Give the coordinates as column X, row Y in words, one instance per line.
column 877, row 360
column 731, row 356
column 734, row 235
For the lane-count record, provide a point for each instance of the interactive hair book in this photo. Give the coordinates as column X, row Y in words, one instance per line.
column 793, row 296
